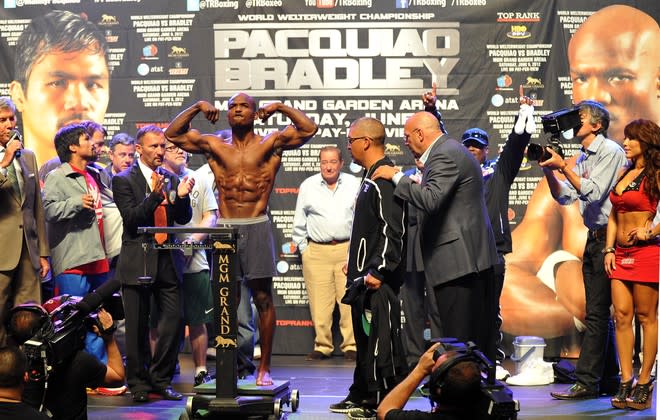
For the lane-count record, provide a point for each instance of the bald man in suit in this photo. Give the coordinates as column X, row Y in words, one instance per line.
column 456, row 238
column 22, row 224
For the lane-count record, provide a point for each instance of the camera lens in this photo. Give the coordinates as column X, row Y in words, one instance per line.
column 534, row 152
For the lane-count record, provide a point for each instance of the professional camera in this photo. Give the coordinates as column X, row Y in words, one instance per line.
column 63, row 331
column 555, row 124
column 496, row 399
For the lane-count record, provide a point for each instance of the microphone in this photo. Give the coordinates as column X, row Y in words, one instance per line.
column 93, row 300
column 15, row 135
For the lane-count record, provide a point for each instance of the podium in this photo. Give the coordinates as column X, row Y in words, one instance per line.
column 226, row 397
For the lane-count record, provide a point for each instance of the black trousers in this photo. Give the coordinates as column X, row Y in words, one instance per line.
column 468, row 309
column 144, row 374
column 598, row 360
column 418, row 308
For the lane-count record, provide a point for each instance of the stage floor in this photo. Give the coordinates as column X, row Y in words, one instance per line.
column 325, row 382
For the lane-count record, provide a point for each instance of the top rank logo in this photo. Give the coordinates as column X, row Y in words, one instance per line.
column 518, row 16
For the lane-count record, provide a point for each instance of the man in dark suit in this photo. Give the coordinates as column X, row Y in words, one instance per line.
column 457, row 241
column 22, row 220
column 141, row 193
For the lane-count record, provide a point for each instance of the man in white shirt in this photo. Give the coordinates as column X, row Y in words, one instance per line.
column 321, row 230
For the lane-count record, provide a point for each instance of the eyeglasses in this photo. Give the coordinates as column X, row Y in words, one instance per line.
column 172, row 149
column 352, row 139
column 406, row 136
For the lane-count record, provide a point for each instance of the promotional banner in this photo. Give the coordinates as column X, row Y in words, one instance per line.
column 338, row 60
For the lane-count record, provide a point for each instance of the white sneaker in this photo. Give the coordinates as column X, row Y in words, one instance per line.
column 536, row 373
column 500, row 373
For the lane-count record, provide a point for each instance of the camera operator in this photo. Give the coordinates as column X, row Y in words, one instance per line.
column 65, row 386
column 13, row 375
column 589, row 183
column 455, row 397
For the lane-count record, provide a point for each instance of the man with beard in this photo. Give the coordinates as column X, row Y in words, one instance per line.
column 245, row 167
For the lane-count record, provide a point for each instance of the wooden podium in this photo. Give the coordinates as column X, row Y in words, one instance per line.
column 226, row 397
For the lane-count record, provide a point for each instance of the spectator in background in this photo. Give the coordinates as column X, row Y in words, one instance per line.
column 321, row 231
column 145, row 199
column 122, row 154
column 74, row 215
column 22, row 221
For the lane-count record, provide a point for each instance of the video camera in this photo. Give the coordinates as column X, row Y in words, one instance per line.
column 496, row 399
column 63, row 331
column 555, row 124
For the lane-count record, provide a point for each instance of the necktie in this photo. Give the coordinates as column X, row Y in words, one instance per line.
column 160, row 214
column 13, row 178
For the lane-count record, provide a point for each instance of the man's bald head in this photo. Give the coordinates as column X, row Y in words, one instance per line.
column 370, row 127
column 419, row 131
column 614, row 58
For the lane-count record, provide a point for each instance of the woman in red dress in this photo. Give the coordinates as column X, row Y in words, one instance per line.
column 632, row 256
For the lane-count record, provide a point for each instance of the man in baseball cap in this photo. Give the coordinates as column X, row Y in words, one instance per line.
column 476, row 141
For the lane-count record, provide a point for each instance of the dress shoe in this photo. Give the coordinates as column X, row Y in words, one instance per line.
column 316, row 355
column 350, row 355
column 141, row 396
column 170, row 394
column 575, row 392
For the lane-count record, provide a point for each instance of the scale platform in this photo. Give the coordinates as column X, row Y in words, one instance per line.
column 252, row 401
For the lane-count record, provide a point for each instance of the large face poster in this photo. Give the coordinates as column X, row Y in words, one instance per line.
column 338, row 60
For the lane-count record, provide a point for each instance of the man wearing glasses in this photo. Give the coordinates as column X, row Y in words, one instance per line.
column 375, row 270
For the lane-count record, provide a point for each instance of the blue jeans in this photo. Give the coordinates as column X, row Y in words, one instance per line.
column 80, row 285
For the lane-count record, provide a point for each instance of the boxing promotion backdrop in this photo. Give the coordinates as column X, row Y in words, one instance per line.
column 337, row 60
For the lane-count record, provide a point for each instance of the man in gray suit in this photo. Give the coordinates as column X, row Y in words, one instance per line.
column 22, row 222
column 457, row 241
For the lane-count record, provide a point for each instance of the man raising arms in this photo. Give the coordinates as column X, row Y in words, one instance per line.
column 245, row 167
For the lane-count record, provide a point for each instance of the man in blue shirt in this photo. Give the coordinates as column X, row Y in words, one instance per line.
column 590, row 182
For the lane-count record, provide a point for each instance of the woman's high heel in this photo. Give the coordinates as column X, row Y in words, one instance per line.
column 619, row 399
column 641, row 397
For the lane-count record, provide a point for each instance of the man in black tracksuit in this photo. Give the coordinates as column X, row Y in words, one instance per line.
column 375, row 270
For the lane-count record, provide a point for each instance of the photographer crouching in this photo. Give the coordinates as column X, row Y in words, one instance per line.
column 59, row 370
column 461, row 386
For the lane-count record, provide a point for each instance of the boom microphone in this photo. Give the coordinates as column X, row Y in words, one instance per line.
column 15, row 135
column 93, row 300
